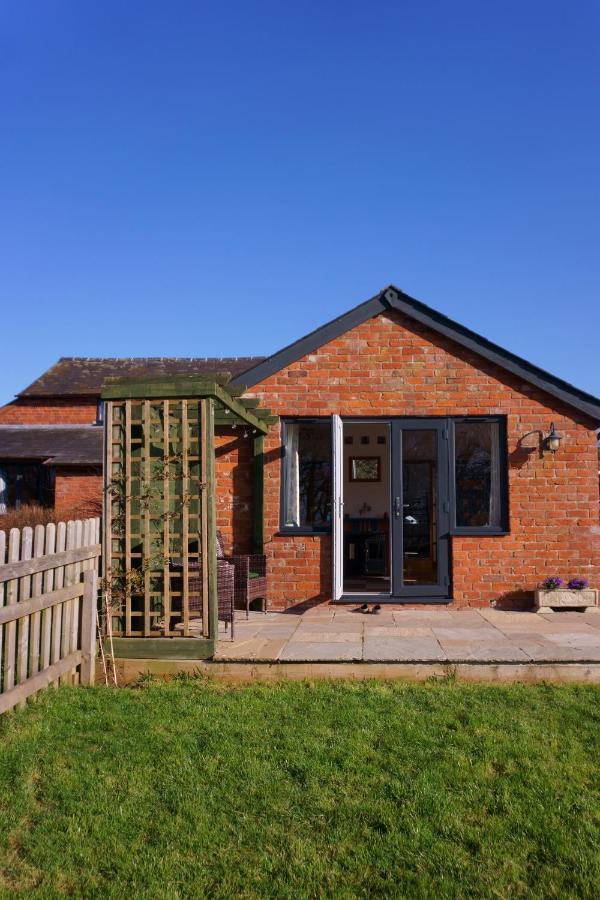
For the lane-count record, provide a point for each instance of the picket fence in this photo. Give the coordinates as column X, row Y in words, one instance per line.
column 48, row 597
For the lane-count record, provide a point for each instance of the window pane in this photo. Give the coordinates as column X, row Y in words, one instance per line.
column 22, row 484
column 420, row 506
column 477, row 474
column 307, row 474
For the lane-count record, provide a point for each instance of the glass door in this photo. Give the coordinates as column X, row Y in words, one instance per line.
column 420, row 520
column 337, row 506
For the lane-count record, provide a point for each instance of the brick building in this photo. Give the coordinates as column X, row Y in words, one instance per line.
column 414, row 460
column 51, row 433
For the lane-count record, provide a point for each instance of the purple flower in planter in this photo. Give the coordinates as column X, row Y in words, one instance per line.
column 552, row 584
column 578, row 584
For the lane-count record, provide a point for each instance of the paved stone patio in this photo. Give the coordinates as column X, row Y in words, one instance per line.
column 330, row 633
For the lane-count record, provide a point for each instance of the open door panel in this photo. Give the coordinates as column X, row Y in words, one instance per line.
column 337, row 443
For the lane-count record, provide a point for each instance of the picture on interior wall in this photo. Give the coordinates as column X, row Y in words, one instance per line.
column 365, row 468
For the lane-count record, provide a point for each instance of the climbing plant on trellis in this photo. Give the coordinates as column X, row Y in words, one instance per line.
column 159, row 515
column 159, row 461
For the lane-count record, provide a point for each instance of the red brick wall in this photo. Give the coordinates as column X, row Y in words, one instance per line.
column 233, row 473
column 391, row 366
column 72, row 411
column 76, row 489
column 79, row 490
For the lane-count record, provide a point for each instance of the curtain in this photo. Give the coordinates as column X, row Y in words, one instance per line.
column 292, row 475
column 494, row 511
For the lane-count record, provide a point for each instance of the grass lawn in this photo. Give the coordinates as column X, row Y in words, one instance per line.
column 303, row 790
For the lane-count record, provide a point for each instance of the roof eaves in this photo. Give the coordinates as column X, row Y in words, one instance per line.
column 23, row 393
column 311, row 341
column 529, row 372
column 393, row 298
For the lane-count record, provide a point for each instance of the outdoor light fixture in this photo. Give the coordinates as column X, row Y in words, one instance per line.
column 546, row 443
column 552, row 441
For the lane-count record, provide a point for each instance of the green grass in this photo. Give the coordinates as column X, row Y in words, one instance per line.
column 302, row 790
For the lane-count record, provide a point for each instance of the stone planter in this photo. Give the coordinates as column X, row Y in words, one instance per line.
column 565, row 598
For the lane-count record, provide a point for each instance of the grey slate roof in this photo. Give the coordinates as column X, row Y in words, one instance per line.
column 72, row 445
column 81, row 376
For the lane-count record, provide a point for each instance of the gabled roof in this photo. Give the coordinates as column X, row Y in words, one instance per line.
column 67, row 445
column 392, row 298
column 79, row 376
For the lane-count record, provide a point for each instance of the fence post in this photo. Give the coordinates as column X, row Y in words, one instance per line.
column 12, row 596
column 88, row 626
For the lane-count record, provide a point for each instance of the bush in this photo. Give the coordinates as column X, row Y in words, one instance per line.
column 34, row 514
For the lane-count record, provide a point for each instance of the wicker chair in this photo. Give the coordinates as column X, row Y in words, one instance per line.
column 250, row 576
column 225, row 591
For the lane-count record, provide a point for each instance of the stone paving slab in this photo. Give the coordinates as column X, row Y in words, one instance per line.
column 335, row 637
column 332, row 634
column 495, row 651
column 417, row 616
column 251, row 649
column 322, row 651
column 274, row 630
column 546, row 651
column 330, row 627
column 573, row 638
column 396, row 632
column 470, row 635
column 402, row 649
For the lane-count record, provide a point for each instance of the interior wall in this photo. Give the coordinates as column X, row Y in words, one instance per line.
column 375, row 494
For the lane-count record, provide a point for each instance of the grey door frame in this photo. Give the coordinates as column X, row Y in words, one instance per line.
column 441, row 591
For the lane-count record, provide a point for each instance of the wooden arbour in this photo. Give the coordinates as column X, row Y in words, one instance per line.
column 159, row 508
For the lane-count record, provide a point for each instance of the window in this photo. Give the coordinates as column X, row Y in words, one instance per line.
column 24, row 483
column 479, row 451
column 100, row 412
column 306, row 476
column 3, row 492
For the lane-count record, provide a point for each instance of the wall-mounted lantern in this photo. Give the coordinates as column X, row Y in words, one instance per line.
column 552, row 440
column 546, row 443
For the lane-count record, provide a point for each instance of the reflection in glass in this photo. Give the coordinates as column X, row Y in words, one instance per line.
column 307, row 474
column 477, row 474
column 419, row 526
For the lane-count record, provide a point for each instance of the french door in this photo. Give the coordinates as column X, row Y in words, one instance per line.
column 337, row 505
column 420, row 509
column 419, row 517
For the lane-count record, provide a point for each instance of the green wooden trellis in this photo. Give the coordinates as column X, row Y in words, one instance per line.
column 159, row 510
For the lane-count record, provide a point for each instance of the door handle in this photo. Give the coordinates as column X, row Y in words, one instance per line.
column 397, row 507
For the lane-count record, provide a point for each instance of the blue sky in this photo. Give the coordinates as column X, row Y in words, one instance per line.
column 186, row 178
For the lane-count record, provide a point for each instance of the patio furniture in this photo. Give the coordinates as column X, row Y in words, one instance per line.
column 250, row 576
column 225, row 590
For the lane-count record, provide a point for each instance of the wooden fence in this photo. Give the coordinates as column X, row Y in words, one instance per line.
column 48, row 596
